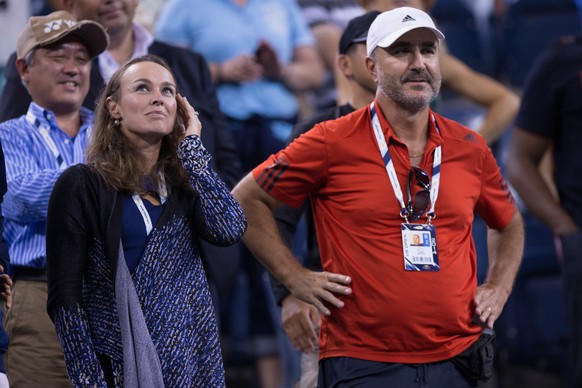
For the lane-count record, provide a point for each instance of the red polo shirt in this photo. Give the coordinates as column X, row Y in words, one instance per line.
column 393, row 315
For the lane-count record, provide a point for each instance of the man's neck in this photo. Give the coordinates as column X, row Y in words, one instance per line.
column 410, row 127
column 121, row 44
column 69, row 122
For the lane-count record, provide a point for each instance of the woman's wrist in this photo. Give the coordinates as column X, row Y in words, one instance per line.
column 193, row 155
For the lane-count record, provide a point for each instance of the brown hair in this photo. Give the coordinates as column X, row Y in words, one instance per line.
column 115, row 159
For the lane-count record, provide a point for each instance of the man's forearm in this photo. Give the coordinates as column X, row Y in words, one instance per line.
column 262, row 236
column 264, row 241
column 505, row 254
column 499, row 117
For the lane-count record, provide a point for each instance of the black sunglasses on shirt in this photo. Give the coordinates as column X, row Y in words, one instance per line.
column 417, row 207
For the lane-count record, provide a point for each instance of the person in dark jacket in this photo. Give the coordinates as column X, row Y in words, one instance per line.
column 129, row 40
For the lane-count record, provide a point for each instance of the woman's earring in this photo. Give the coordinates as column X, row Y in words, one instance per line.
column 116, row 122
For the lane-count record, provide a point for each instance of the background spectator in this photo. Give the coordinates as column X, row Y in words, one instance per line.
column 327, row 19
column 551, row 114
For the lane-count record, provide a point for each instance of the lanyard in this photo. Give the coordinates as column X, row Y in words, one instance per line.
column 142, row 209
column 48, row 140
column 385, row 154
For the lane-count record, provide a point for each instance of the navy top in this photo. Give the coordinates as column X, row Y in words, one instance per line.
column 551, row 107
column 133, row 231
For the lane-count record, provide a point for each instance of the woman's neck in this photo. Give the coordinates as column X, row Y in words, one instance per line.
column 149, row 153
column 150, row 159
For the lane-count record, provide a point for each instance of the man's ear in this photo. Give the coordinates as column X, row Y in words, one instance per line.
column 371, row 66
column 344, row 64
column 22, row 68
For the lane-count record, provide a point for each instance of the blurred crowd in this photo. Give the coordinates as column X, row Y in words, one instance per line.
column 258, row 74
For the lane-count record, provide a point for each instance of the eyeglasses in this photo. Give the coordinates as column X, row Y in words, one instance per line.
column 421, row 201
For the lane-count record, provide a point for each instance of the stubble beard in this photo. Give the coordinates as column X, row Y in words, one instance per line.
column 394, row 89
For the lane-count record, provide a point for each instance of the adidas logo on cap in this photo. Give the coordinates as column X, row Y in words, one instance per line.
column 389, row 26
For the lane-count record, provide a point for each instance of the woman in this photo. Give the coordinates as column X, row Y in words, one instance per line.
column 127, row 290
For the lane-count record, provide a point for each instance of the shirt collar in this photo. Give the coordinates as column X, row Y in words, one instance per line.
column 142, row 40
column 47, row 117
column 433, row 135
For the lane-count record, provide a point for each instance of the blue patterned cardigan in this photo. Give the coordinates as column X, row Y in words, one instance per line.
column 83, row 235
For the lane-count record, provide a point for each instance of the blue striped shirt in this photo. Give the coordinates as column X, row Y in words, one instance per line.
column 33, row 163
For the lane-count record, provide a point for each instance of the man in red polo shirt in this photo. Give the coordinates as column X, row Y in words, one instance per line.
column 375, row 178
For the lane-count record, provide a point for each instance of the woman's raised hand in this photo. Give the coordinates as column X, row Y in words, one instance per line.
column 188, row 122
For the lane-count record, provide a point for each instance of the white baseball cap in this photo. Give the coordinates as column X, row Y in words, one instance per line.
column 391, row 25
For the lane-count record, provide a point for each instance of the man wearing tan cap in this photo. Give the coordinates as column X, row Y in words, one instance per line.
column 54, row 61
column 395, row 315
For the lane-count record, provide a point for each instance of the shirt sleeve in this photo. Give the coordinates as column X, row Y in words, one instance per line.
column 496, row 203
column 299, row 169
column 29, row 187
column 539, row 110
column 219, row 218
